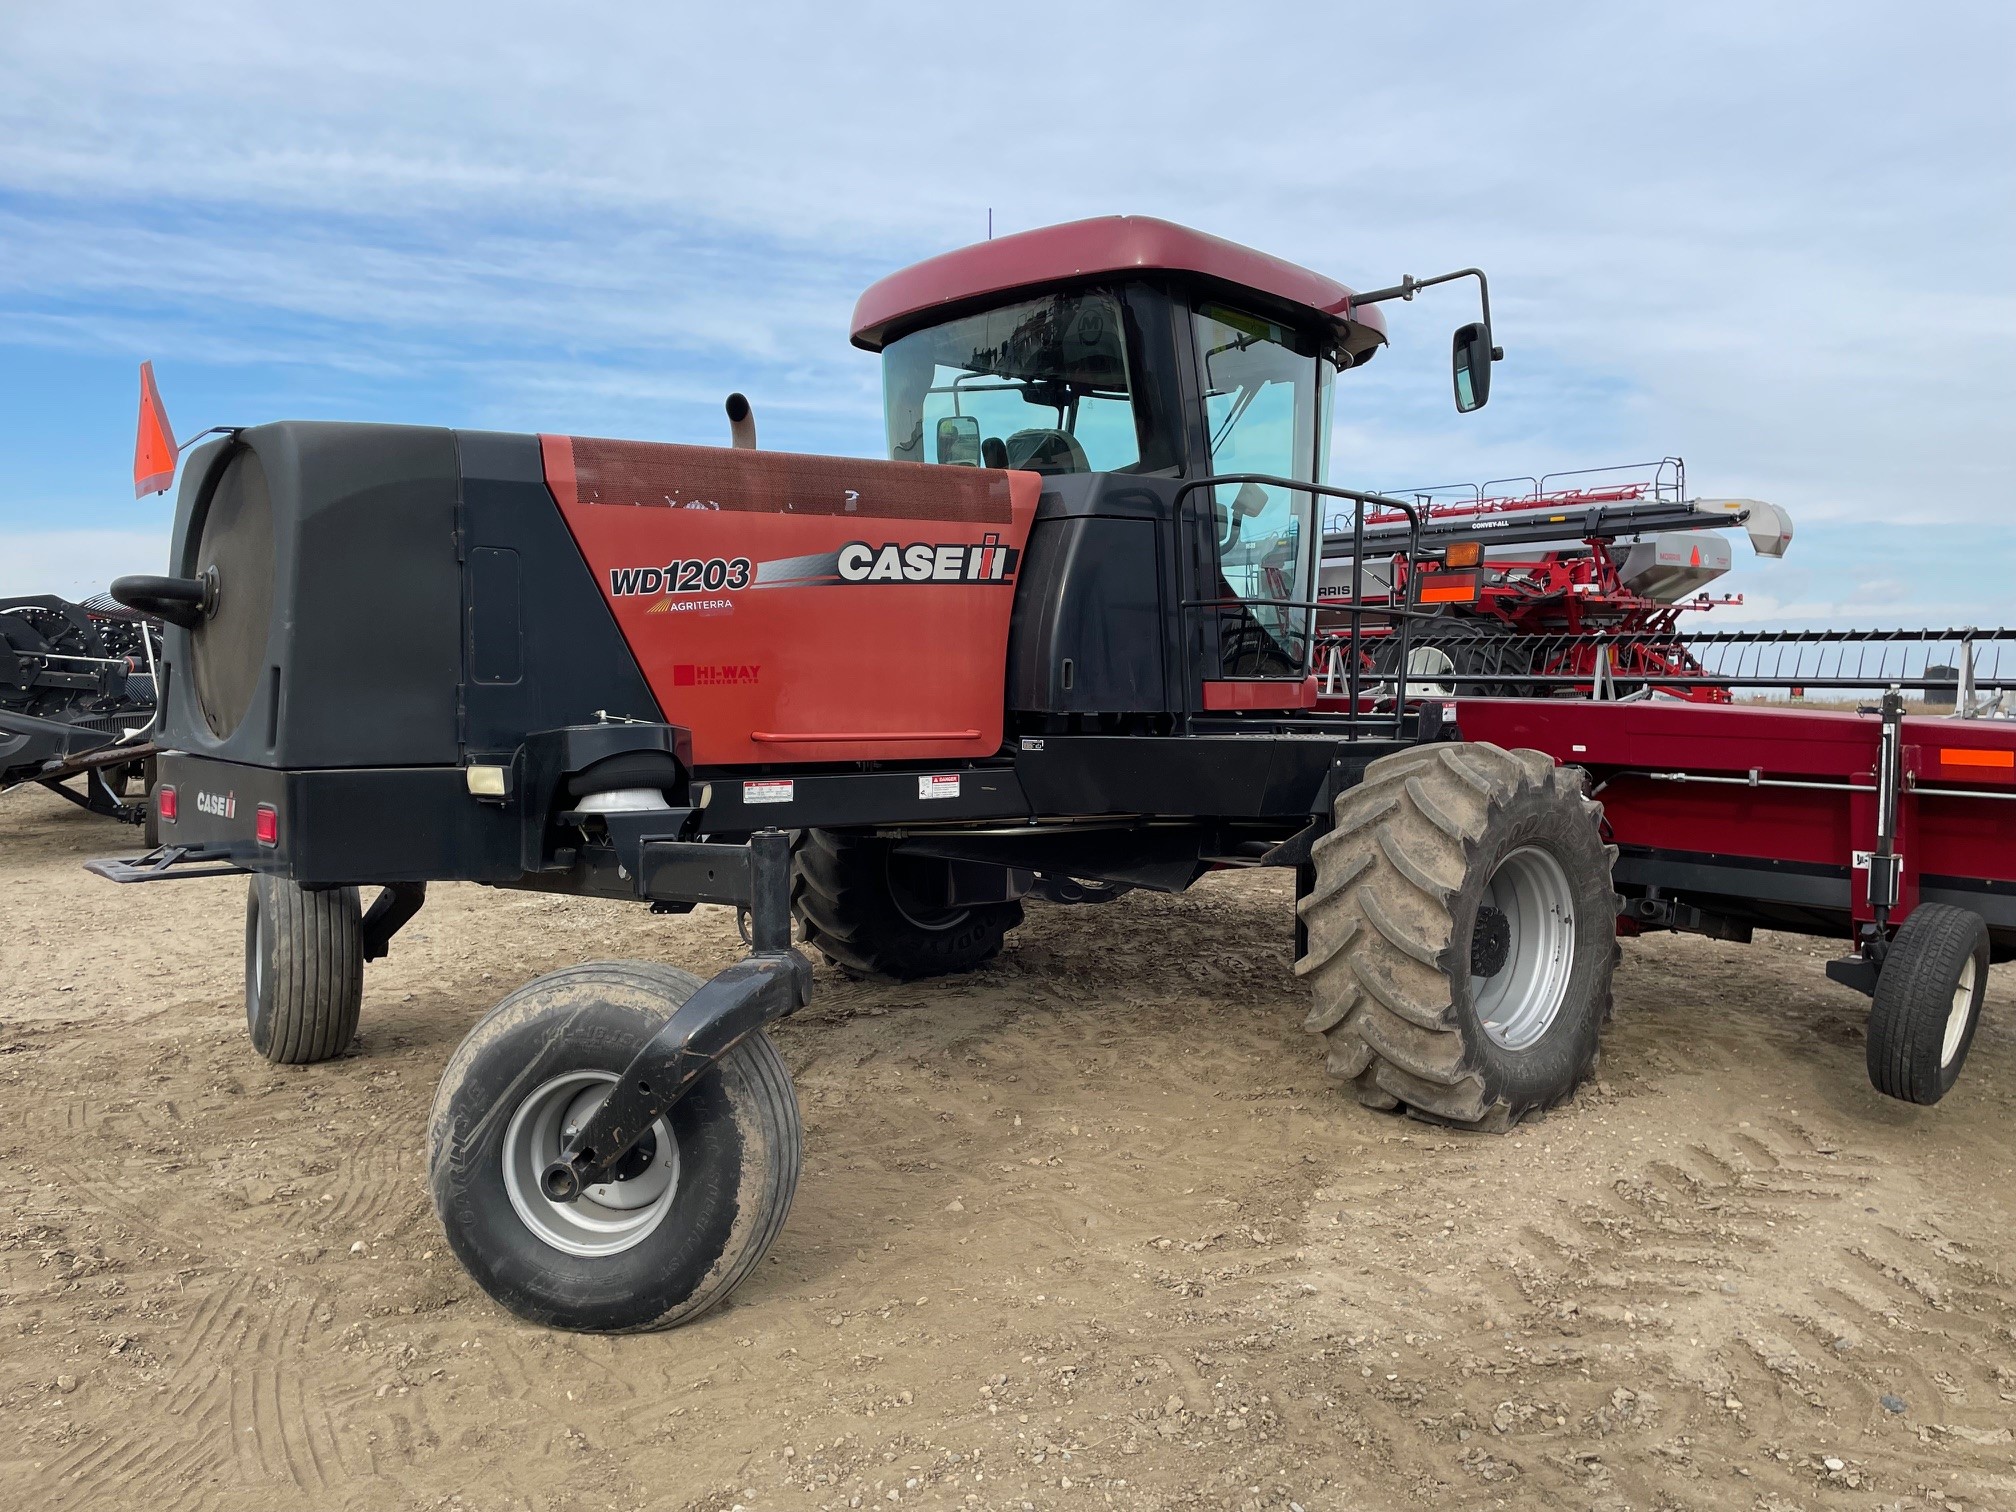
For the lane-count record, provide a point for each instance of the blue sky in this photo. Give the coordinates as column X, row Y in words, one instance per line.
column 1775, row 239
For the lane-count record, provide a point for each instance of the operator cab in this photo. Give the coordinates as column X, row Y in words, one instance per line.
column 1124, row 358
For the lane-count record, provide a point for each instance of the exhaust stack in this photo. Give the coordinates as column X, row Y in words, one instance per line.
column 741, row 423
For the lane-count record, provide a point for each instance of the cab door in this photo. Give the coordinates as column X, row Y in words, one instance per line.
column 1264, row 391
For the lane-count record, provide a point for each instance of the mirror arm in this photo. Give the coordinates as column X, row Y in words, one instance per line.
column 1409, row 286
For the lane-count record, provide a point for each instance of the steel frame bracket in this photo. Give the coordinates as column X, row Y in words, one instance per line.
column 1857, row 971
column 725, row 1011
column 774, row 981
column 169, row 863
column 390, row 912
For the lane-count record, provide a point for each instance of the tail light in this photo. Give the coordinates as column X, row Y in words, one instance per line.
column 266, row 824
column 164, row 803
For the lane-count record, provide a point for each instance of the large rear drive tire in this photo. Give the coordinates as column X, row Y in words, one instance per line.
column 1928, row 1003
column 688, row 1218
column 1461, row 934
column 865, row 909
column 304, row 970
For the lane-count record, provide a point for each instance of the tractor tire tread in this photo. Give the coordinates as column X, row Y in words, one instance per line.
column 1378, row 922
column 1914, row 994
column 316, row 972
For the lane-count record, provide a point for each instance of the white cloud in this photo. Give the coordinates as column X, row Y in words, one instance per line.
column 1774, row 239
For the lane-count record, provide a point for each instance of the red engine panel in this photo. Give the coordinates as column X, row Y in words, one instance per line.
column 792, row 608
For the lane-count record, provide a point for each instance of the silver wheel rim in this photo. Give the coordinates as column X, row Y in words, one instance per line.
column 1519, row 1002
column 606, row 1219
column 255, row 965
column 1957, row 1015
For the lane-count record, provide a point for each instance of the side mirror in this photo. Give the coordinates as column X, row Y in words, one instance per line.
column 959, row 440
column 1470, row 358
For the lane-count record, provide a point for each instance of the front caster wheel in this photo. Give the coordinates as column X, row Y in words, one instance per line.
column 691, row 1211
column 1927, row 1003
column 304, row 970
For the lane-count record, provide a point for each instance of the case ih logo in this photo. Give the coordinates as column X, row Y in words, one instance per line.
column 712, row 675
column 926, row 562
column 222, row 805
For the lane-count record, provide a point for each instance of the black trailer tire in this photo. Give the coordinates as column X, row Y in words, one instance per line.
column 1928, row 1003
column 304, row 970
column 845, row 890
column 1461, row 934
column 714, row 1180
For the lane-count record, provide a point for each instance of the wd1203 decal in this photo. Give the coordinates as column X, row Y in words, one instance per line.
column 693, row 575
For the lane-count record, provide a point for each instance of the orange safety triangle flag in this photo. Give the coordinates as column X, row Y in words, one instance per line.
column 154, row 447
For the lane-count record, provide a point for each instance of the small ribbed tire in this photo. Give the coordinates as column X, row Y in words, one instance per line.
column 689, row 1215
column 1928, row 1003
column 304, row 970
column 1461, row 934
column 864, row 908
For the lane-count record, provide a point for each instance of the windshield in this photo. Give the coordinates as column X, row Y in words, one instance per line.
column 1041, row 385
column 1266, row 393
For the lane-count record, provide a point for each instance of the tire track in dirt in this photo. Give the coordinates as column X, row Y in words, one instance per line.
column 235, row 1408
column 1346, row 1310
column 1739, row 1280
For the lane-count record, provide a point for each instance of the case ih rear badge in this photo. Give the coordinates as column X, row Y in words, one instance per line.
column 925, row 562
column 219, row 805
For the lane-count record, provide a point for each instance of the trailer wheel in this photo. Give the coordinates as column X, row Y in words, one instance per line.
column 304, row 970
column 866, row 910
column 1461, row 934
column 1928, row 1002
column 689, row 1215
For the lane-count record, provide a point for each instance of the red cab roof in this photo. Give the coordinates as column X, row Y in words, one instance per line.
column 1088, row 249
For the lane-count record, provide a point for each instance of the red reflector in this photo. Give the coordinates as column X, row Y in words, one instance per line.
column 1446, row 588
column 266, row 825
column 1951, row 756
column 164, row 803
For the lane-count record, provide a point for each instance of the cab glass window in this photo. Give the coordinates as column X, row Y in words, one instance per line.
column 1265, row 398
column 1041, row 384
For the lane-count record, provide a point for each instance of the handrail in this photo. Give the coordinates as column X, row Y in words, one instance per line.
column 1312, row 548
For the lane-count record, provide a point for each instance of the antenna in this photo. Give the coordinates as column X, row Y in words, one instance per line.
column 990, row 223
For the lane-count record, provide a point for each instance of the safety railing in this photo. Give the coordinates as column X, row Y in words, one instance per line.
column 1390, row 623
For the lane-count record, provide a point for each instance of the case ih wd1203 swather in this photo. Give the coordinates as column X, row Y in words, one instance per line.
column 1067, row 640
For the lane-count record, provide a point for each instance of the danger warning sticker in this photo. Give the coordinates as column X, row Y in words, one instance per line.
column 938, row 785
column 767, row 792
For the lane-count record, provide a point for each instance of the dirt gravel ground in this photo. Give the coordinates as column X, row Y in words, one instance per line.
column 1086, row 1228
